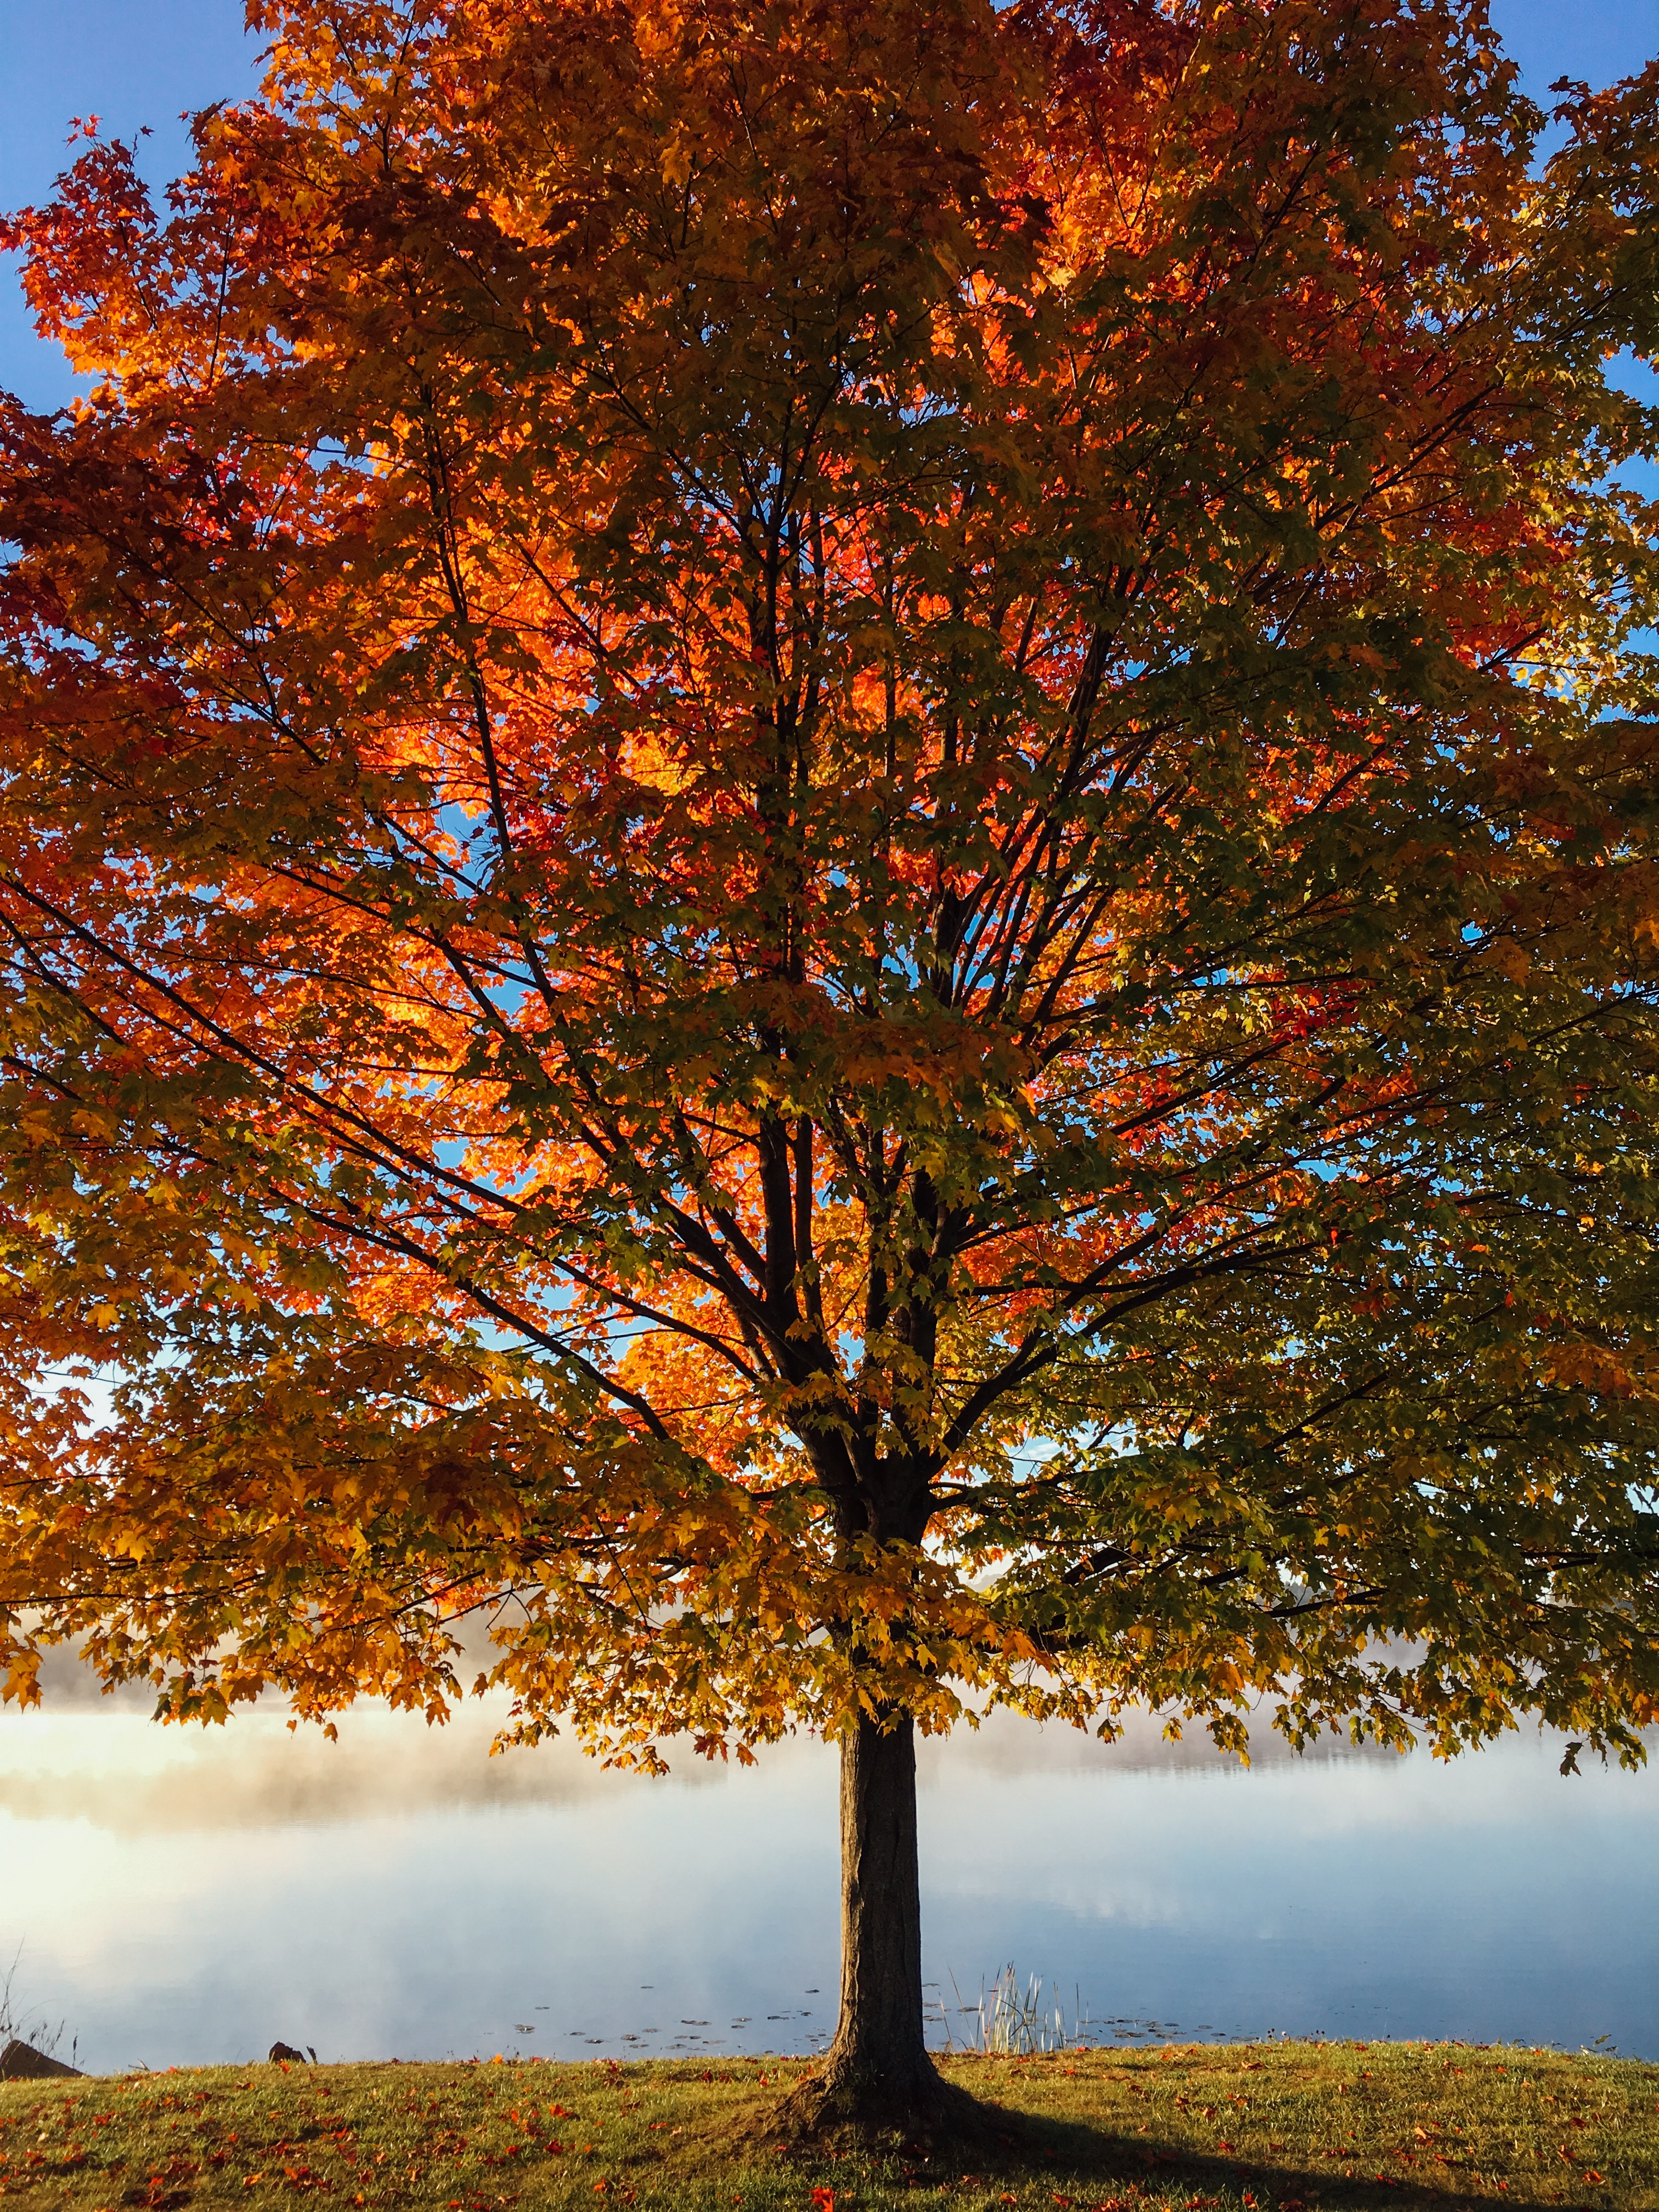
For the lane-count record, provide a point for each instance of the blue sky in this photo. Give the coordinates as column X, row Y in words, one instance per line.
column 141, row 62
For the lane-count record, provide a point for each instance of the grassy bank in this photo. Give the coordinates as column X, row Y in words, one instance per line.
column 1272, row 2128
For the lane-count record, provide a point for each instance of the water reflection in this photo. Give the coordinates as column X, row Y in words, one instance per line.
column 184, row 1897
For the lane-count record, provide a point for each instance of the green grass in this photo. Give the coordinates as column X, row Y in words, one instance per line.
column 1292, row 2127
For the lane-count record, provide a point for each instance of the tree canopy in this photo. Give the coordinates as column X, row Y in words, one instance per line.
column 828, row 854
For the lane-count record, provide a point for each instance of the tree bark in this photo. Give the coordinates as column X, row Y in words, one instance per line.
column 877, row 2078
column 877, row 2067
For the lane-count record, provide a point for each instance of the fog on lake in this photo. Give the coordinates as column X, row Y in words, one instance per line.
column 182, row 1898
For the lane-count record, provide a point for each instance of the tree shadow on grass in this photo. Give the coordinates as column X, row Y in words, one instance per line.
column 1092, row 2166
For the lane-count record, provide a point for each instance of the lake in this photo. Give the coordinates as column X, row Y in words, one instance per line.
column 185, row 1898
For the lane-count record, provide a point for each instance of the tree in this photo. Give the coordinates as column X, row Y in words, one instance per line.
column 829, row 859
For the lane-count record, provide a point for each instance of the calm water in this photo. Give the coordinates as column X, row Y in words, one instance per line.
column 187, row 1898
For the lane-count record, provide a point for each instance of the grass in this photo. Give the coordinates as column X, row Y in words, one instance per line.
column 1294, row 2127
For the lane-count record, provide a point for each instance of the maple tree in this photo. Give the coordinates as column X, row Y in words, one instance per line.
column 828, row 859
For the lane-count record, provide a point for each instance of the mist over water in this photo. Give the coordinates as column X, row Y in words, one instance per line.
column 184, row 1897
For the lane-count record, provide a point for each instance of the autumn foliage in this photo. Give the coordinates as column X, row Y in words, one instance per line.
column 827, row 854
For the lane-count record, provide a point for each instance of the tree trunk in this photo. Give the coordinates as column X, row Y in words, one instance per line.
column 877, row 2077
column 877, row 2067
